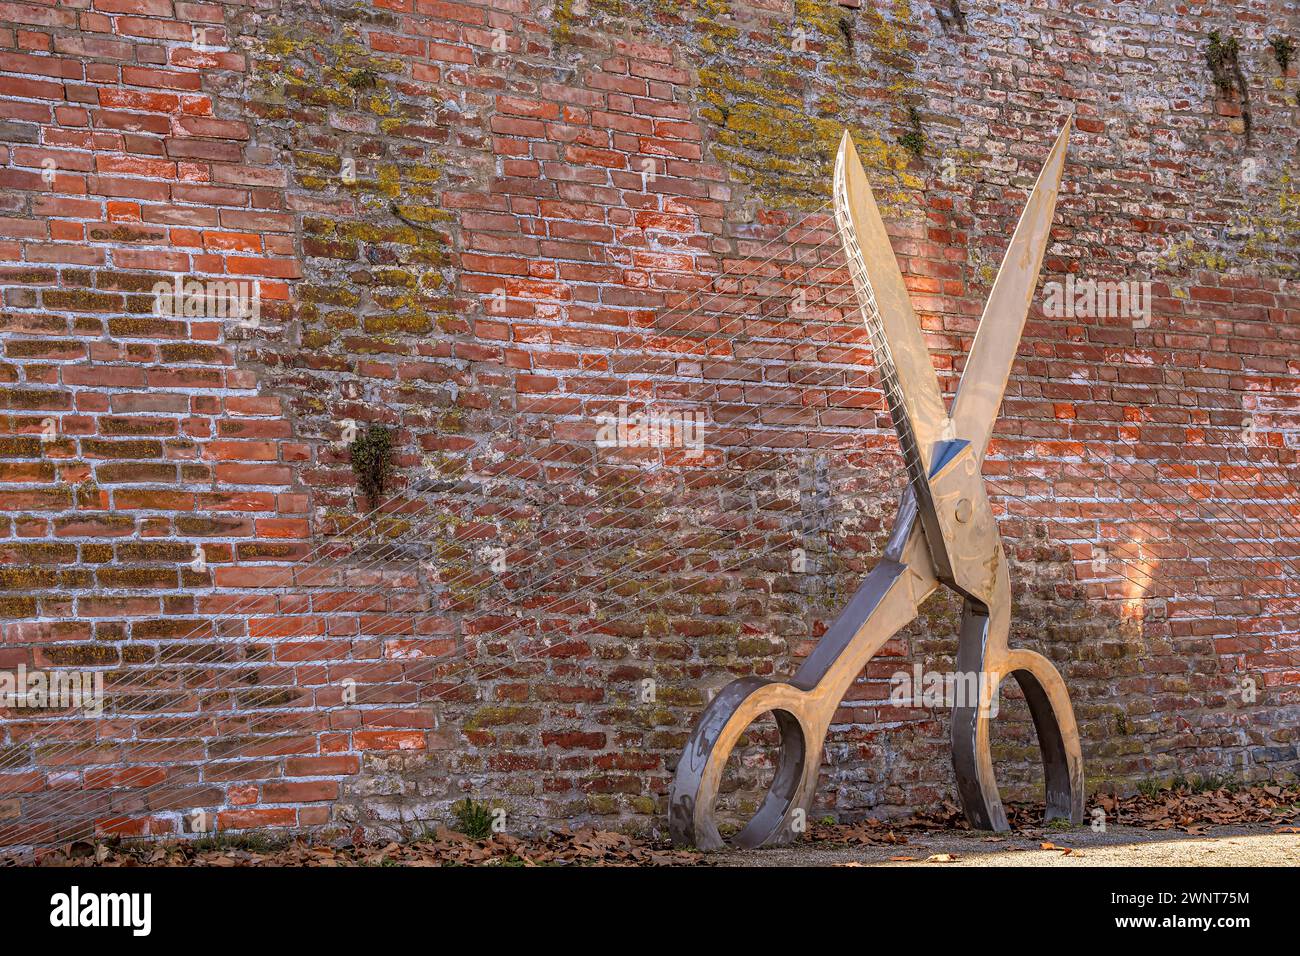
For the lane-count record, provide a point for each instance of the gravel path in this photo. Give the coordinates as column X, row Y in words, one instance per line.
column 1118, row 846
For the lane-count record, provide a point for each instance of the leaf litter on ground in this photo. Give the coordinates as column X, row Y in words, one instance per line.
column 1181, row 808
column 582, row 847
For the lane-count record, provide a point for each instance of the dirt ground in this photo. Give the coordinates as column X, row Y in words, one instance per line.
column 1118, row 846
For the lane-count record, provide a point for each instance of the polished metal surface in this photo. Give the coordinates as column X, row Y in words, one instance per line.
column 945, row 534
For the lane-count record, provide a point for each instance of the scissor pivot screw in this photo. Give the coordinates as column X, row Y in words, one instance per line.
column 964, row 509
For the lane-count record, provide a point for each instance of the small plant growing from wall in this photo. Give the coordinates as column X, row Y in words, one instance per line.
column 953, row 17
column 1283, row 50
column 473, row 819
column 363, row 80
column 914, row 138
column 372, row 461
column 1223, row 58
column 846, row 29
column 1221, row 55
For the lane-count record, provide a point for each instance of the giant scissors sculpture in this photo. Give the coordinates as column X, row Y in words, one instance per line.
column 945, row 533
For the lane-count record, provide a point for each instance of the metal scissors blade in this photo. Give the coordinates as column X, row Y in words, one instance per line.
column 918, row 409
column 997, row 338
column 901, row 356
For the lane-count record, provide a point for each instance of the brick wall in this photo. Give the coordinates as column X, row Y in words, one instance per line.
column 487, row 226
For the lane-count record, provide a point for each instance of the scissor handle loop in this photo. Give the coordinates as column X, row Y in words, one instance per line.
column 1049, row 705
column 699, row 771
